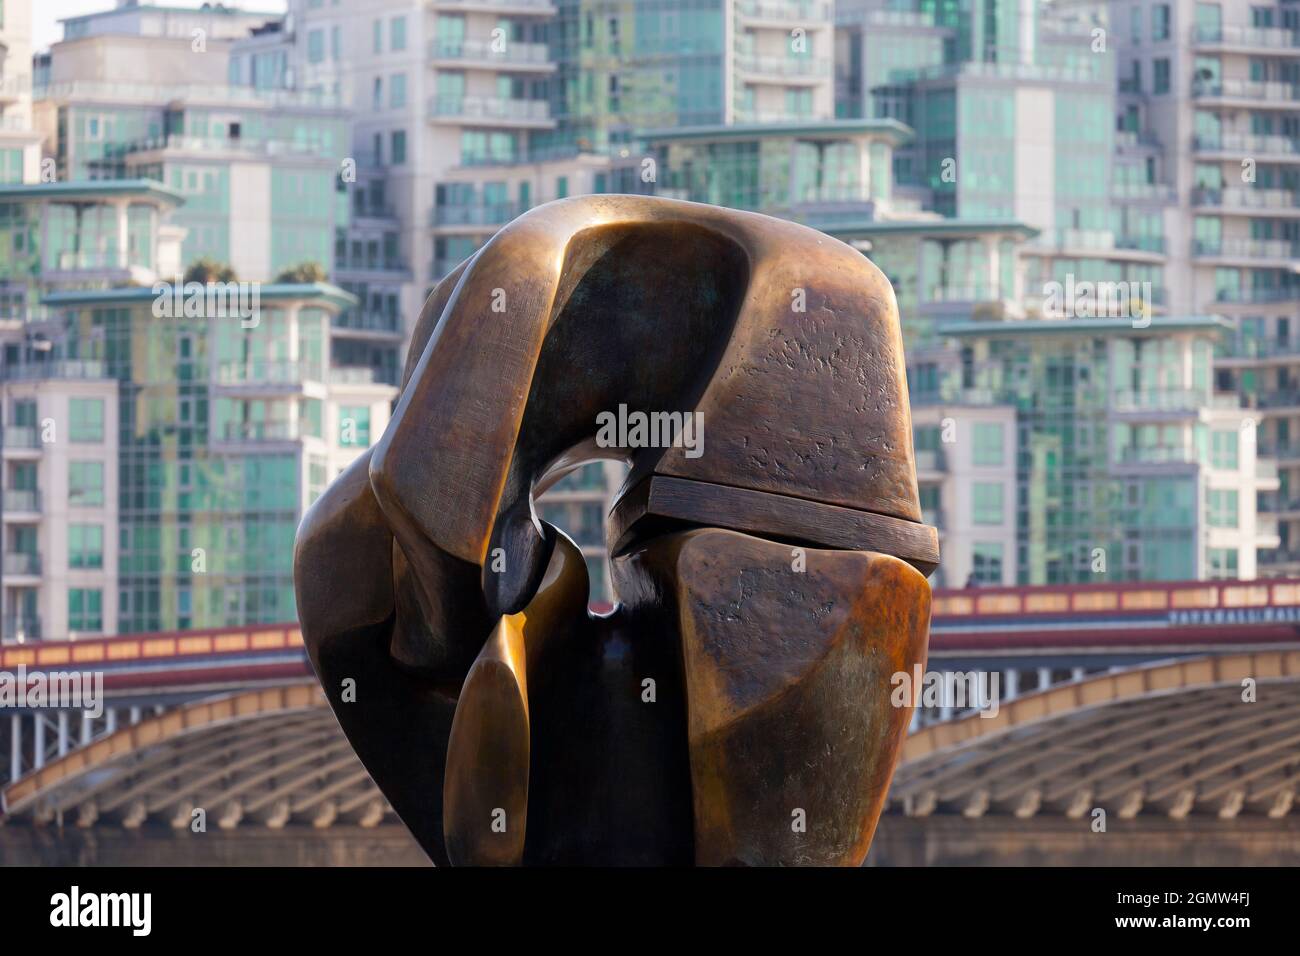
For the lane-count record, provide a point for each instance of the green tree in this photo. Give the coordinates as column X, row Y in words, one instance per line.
column 303, row 272
column 206, row 269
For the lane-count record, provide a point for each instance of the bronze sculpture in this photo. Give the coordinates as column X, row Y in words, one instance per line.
column 735, row 707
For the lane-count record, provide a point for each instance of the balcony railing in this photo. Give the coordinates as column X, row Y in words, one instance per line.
column 930, row 459
column 1263, row 37
column 1155, row 455
column 22, row 499
column 268, row 373
column 477, row 214
column 510, row 53
column 261, row 431
column 56, row 369
column 489, row 108
column 1247, row 144
column 352, row 375
column 22, row 628
column 1250, row 346
column 1237, row 248
column 800, row 11
column 1246, row 90
column 1236, row 197
column 539, row 6
column 21, row 563
column 21, row 436
column 367, row 321
column 1160, row 400
column 790, row 66
column 86, row 261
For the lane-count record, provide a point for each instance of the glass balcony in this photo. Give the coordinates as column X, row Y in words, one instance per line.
column 22, row 500
column 21, row 436
column 1269, row 38
column 1246, row 90
column 261, row 431
column 268, row 373
column 786, row 66
column 488, row 109
column 930, row 459
column 477, row 51
column 796, row 11
column 352, row 375
column 57, row 369
column 22, row 564
column 1160, row 400
column 1236, row 248
column 22, row 627
column 476, row 214
column 538, row 7
column 367, row 321
column 1249, row 200
column 1247, row 144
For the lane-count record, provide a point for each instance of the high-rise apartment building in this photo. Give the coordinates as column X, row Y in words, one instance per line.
column 157, row 453
column 20, row 150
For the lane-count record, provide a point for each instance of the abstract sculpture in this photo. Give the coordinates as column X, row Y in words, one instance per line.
column 735, row 707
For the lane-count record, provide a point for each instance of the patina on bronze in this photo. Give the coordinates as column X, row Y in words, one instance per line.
column 734, row 708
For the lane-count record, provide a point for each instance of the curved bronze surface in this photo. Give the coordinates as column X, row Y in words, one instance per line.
column 734, row 708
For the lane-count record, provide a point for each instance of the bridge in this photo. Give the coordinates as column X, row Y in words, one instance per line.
column 1173, row 709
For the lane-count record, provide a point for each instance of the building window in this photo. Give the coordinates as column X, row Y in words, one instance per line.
column 397, row 34
column 377, row 36
column 86, row 419
column 1223, row 508
column 398, row 153
column 1223, row 562
column 988, row 443
column 986, row 562
column 987, row 496
column 85, row 609
column 315, row 46
column 1160, row 21
column 86, row 484
column 1160, row 80
column 1223, row 450
column 397, row 91
column 86, row 546
column 354, row 425
column 561, row 187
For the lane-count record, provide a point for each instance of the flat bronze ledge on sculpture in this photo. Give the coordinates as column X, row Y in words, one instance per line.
column 734, row 707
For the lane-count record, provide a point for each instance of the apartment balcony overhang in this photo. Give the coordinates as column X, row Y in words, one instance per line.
column 808, row 15
column 512, row 8
column 490, row 112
